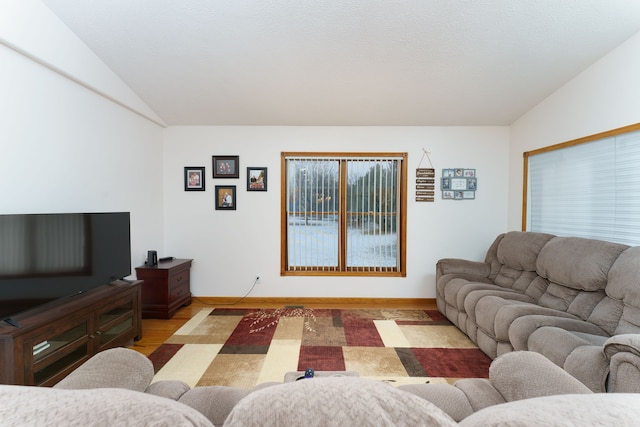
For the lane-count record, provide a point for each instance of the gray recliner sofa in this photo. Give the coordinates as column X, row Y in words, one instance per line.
column 574, row 300
column 113, row 388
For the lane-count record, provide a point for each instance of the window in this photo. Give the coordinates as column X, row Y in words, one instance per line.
column 344, row 214
column 586, row 188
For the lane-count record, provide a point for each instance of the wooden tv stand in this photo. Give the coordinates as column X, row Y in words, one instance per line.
column 57, row 337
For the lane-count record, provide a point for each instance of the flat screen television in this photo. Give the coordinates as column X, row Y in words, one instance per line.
column 44, row 257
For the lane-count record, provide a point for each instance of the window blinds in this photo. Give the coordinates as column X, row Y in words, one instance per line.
column 589, row 190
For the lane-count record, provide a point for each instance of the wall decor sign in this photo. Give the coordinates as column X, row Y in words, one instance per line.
column 225, row 197
column 459, row 184
column 194, row 178
column 425, row 180
column 226, row 166
column 425, row 184
column 256, row 179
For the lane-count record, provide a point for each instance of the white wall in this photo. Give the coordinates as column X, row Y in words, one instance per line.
column 65, row 148
column 230, row 248
column 605, row 96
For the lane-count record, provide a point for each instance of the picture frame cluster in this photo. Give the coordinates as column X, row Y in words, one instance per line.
column 458, row 184
column 225, row 167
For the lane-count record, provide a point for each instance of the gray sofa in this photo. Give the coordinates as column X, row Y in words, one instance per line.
column 113, row 388
column 576, row 301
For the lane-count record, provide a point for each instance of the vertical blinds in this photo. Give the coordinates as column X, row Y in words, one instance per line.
column 589, row 190
column 312, row 214
column 372, row 214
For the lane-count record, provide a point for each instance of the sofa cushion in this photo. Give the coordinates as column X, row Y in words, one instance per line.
column 624, row 277
column 331, row 401
column 451, row 400
column 578, row 353
column 569, row 410
column 40, row 406
column 556, row 344
column 519, row 250
column 624, row 288
column 578, row 263
column 171, row 389
column 524, row 374
column 588, row 364
column 215, row 402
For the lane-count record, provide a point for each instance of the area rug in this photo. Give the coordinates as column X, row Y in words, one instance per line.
column 246, row 347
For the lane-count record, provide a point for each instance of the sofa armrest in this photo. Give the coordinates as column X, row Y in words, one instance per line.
column 623, row 353
column 112, row 368
column 629, row 343
column 525, row 374
column 462, row 266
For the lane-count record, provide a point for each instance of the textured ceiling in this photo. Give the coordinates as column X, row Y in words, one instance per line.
column 347, row 62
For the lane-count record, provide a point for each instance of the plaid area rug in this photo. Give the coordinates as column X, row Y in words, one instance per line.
column 246, row 347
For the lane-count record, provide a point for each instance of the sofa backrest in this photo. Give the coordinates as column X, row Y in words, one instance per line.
column 619, row 312
column 513, row 260
column 577, row 271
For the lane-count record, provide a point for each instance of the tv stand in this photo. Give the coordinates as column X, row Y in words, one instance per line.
column 12, row 322
column 55, row 338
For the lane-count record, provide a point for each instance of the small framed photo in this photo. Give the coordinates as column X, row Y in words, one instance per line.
column 446, row 184
column 469, row 173
column 225, row 197
column 256, row 179
column 468, row 194
column 194, row 178
column 226, row 166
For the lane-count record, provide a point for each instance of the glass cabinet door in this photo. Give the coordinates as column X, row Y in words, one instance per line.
column 52, row 355
column 114, row 322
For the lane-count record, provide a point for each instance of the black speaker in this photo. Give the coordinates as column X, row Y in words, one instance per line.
column 152, row 259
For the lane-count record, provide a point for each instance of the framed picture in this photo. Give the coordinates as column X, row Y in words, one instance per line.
column 256, row 179
column 226, row 166
column 194, row 178
column 458, row 184
column 226, row 197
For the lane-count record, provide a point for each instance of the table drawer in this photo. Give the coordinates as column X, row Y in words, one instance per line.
column 179, row 286
column 178, row 279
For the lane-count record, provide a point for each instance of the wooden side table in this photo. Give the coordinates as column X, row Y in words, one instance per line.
column 166, row 288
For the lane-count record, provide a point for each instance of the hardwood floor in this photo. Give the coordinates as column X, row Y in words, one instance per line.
column 157, row 331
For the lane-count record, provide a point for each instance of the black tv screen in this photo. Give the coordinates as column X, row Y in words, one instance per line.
column 44, row 257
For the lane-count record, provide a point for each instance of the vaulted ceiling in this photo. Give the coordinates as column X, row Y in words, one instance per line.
column 347, row 62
